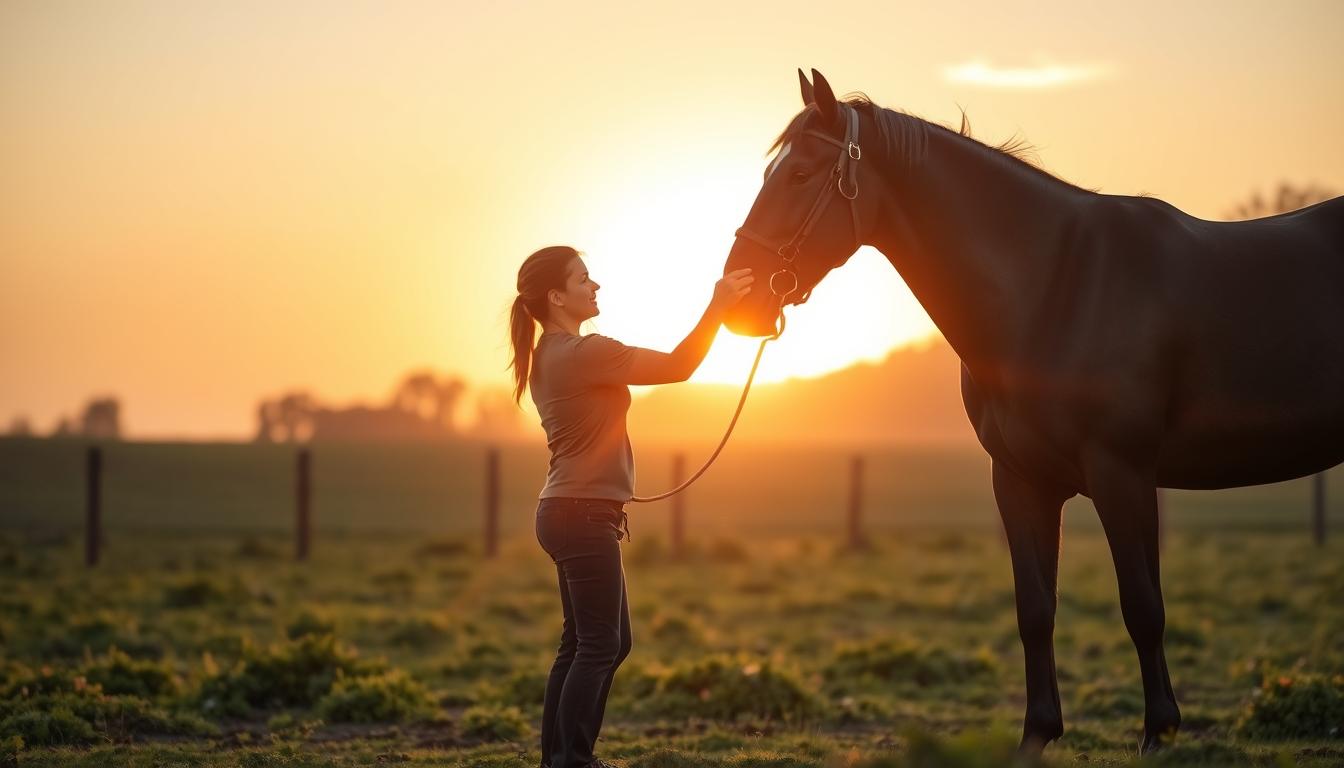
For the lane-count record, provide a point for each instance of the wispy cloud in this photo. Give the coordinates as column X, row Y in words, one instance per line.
column 1042, row 74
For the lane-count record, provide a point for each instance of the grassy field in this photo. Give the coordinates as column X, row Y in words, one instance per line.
column 203, row 643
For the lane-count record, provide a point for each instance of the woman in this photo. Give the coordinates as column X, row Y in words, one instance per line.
column 579, row 386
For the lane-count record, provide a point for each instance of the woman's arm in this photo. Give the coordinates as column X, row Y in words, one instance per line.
column 652, row 367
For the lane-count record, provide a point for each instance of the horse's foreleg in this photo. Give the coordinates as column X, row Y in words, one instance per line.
column 1126, row 501
column 1031, row 520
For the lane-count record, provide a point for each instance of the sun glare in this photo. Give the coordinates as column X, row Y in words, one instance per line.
column 656, row 250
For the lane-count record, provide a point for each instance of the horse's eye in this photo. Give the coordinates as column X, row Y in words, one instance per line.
column 797, row 177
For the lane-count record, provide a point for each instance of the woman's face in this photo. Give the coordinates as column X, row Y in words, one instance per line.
column 579, row 299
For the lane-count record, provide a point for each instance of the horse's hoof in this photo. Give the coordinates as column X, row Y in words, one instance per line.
column 1159, row 730
column 1034, row 742
column 1031, row 748
column 1154, row 739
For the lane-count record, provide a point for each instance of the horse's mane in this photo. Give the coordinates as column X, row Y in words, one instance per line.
column 906, row 136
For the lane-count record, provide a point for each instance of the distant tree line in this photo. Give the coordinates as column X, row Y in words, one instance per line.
column 101, row 419
column 1284, row 199
column 423, row 406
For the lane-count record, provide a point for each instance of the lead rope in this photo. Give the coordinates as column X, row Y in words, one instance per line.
column 741, row 401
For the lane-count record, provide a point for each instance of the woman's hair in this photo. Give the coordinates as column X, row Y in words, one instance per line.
column 542, row 271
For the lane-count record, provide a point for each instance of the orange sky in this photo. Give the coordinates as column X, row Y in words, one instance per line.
column 204, row 203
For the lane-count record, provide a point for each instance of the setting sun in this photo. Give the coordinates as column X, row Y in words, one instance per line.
column 656, row 250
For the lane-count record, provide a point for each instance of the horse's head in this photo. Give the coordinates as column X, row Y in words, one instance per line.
column 805, row 221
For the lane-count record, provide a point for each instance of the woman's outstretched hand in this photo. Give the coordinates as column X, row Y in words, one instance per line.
column 731, row 288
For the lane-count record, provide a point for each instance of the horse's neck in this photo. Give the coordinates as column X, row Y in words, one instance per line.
column 976, row 236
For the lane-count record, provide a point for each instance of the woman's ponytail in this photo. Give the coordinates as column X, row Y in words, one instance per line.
column 522, row 329
column 546, row 269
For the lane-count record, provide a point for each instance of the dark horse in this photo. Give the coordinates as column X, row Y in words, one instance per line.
column 1110, row 345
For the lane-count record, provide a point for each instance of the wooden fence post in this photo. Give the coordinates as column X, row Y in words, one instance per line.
column 1318, row 509
column 491, row 502
column 303, row 497
column 678, row 507
column 856, row 537
column 93, row 522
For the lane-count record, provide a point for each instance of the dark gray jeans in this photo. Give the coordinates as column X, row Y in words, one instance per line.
column 583, row 537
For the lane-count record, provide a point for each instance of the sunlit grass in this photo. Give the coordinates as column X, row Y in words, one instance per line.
column 771, row 651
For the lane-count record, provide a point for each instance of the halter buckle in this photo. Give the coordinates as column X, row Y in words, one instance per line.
column 840, row 187
column 791, row 274
column 854, row 152
column 788, row 252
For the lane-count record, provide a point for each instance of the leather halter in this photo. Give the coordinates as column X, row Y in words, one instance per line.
column 845, row 172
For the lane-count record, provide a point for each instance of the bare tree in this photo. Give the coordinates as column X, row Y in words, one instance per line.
column 266, row 422
column 1287, row 197
column 421, row 408
column 425, row 395
column 101, row 418
column 295, row 415
column 19, row 426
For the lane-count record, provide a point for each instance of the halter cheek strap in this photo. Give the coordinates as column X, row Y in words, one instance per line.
column 845, row 173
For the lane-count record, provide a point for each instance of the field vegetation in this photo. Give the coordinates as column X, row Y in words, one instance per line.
column 210, row 646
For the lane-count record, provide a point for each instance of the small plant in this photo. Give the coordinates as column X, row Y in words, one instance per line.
column 389, row 697
column 48, row 728
column 494, row 723
column 310, row 623
column 117, row 673
column 523, row 688
column 721, row 687
column 297, row 673
column 78, row 717
column 1308, row 707
column 122, row 718
column 10, row 747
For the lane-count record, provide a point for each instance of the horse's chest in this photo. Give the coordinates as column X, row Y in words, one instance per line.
column 1023, row 431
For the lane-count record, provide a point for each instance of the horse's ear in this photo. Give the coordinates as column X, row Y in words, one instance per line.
column 824, row 98
column 805, row 87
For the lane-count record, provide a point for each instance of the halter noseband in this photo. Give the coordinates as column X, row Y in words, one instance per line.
column 845, row 174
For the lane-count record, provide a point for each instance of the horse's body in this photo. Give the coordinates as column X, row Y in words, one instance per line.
column 1216, row 348
column 1110, row 345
